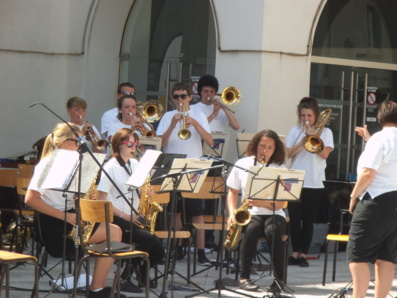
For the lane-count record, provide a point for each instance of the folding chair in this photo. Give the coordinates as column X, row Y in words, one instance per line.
column 102, row 212
column 7, row 258
column 210, row 184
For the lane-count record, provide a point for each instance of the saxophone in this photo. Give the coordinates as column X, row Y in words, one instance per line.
column 148, row 208
column 88, row 226
column 241, row 217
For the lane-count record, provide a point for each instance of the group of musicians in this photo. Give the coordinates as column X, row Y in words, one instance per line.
column 183, row 130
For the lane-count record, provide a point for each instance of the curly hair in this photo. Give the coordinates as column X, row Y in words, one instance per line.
column 207, row 81
column 278, row 156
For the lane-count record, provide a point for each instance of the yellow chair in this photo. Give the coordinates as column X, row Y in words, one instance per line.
column 102, row 212
column 337, row 238
column 7, row 258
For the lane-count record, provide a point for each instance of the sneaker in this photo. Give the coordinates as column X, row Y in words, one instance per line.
column 248, row 286
column 276, row 287
column 104, row 293
column 292, row 261
column 128, row 286
column 202, row 259
column 179, row 253
column 302, row 262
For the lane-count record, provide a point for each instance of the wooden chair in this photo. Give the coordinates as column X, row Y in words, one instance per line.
column 102, row 212
column 210, row 222
column 7, row 258
column 164, row 199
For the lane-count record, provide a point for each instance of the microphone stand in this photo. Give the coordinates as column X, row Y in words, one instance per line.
column 82, row 149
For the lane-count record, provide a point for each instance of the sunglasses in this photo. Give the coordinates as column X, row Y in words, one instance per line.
column 130, row 144
column 182, row 96
column 127, row 93
column 74, row 140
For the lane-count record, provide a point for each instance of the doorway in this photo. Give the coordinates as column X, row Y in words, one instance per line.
column 354, row 94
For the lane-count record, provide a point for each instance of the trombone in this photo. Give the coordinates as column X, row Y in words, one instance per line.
column 230, row 96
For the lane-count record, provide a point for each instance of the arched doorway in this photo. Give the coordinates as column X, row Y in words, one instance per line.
column 354, row 68
column 166, row 41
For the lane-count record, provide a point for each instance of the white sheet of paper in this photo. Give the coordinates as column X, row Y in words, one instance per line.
column 264, row 184
column 192, row 181
column 59, row 169
column 137, row 179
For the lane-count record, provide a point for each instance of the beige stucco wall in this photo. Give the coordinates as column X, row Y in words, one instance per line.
column 51, row 50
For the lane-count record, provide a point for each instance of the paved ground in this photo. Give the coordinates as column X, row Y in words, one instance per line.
column 303, row 282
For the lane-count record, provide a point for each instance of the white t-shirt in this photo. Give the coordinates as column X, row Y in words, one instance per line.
column 193, row 146
column 313, row 164
column 120, row 176
column 117, row 125
column 380, row 154
column 107, row 119
column 219, row 123
column 237, row 179
column 51, row 197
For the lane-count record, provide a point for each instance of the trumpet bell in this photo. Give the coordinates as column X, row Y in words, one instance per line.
column 231, row 96
column 184, row 134
column 152, row 111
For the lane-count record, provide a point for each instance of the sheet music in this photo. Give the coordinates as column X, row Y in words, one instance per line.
column 138, row 177
column 89, row 169
column 192, row 181
column 61, row 167
column 264, row 183
column 221, row 142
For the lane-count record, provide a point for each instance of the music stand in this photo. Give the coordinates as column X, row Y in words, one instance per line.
column 221, row 141
column 274, row 184
column 184, row 175
column 242, row 142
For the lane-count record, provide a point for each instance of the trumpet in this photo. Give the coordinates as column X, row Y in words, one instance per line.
column 184, row 133
column 98, row 143
column 231, row 96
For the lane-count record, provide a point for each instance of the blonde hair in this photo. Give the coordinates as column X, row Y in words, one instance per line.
column 60, row 133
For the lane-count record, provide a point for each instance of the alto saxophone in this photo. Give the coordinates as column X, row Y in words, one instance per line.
column 87, row 227
column 241, row 217
column 148, row 208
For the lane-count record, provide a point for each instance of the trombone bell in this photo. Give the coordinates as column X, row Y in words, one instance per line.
column 231, row 96
column 152, row 111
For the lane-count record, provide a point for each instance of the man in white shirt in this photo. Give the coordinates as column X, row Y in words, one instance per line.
column 219, row 118
column 110, row 116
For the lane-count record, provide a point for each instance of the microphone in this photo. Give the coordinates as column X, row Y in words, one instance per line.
column 59, row 117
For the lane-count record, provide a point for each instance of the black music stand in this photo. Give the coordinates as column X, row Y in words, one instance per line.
column 274, row 184
column 178, row 179
column 242, row 142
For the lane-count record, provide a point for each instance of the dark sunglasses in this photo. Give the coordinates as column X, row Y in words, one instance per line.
column 74, row 140
column 127, row 93
column 130, row 144
column 182, row 96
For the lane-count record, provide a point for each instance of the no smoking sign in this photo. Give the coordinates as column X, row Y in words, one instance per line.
column 371, row 98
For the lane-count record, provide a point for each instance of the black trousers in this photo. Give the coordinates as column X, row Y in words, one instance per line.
column 143, row 241
column 264, row 225
column 302, row 215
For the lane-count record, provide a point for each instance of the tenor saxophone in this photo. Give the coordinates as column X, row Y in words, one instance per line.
column 148, row 208
column 87, row 227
